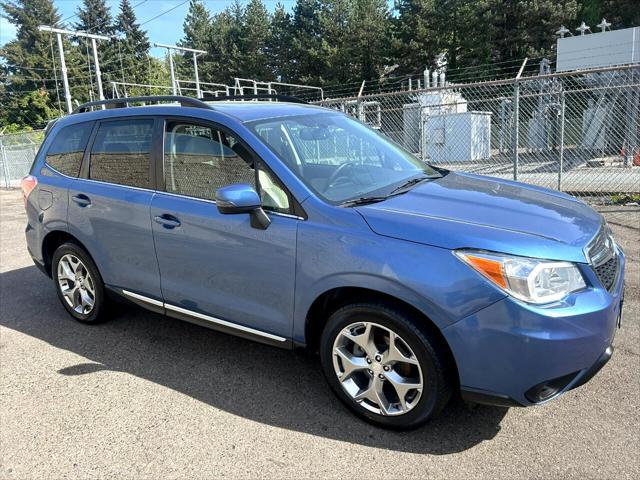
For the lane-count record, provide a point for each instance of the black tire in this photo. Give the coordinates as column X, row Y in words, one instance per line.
column 437, row 383
column 99, row 310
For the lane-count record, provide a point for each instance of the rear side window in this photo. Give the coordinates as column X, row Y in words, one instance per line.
column 121, row 153
column 66, row 151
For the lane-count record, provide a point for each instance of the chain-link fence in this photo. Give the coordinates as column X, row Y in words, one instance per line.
column 578, row 132
column 574, row 132
column 17, row 152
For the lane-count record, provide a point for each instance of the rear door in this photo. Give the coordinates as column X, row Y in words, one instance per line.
column 217, row 269
column 109, row 204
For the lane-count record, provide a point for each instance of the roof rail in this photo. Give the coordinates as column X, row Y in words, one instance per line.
column 124, row 102
column 256, row 96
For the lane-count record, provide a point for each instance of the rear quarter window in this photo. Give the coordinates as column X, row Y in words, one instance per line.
column 66, row 152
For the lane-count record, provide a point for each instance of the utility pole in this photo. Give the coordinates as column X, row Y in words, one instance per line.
column 65, row 79
column 195, row 53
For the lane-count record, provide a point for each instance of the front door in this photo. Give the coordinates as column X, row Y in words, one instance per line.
column 217, row 267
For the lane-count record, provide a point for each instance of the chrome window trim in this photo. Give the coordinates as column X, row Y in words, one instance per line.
column 188, row 197
column 50, row 167
column 115, row 184
column 202, row 316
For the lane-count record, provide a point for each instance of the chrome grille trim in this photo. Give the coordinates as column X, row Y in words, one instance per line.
column 601, row 253
column 601, row 248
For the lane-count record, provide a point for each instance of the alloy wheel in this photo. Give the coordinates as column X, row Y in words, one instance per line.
column 76, row 284
column 377, row 368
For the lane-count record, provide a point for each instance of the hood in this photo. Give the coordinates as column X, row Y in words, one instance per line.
column 471, row 211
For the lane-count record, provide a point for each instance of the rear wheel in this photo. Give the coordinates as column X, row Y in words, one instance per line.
column 78, row 283
column 383, row 366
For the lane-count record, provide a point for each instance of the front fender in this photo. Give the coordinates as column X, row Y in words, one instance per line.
column 431, row 279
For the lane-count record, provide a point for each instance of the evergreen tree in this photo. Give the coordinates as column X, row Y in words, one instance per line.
column 26, row 72
column 338, row 24
column 371, row 34
column 198, row 31
column 279, row 44
column 416, row 31
column 524, row 28
column 228, row 29
column 621, row 13
column 257, row 22
column 132, row 46
column 309, row 61
column 94, row 17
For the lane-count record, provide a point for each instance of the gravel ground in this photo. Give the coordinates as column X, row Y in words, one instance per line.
column 144, row 396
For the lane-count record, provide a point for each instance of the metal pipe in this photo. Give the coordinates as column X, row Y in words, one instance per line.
column 65, row 79
column 98, row 72
column 516, row 127
column 516, row 119
column 173, row 75
column 561, row 159
column 195, row 69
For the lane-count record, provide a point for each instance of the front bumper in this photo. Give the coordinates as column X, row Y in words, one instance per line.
column 512, row 353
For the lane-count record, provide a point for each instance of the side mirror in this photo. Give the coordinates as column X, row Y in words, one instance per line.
column 242, row 198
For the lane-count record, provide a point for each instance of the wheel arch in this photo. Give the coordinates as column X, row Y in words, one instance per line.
column 52, row 241
column 332, row 300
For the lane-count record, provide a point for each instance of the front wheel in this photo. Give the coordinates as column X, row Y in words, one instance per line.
column 383, row 366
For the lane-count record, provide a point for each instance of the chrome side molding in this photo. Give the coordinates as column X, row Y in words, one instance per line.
column 201, row 316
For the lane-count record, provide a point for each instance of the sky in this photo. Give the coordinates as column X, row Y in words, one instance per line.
column 165, row 29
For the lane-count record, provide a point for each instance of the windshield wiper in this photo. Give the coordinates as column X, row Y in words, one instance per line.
column 396, row 191
column 363, row 201
column 411, row 183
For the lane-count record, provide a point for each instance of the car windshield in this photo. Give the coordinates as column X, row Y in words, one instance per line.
column 340, row 159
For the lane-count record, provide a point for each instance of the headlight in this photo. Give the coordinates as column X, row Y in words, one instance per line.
column 528, row 279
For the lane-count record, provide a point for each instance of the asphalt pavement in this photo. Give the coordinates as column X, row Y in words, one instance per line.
column 143, row 396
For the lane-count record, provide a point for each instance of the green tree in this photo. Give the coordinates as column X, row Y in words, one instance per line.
column 26, row 71
column 337, row 29
column 132, row 46
column 622, row 13
column 416, row 30
column 257, row 22
column 371, row 36
column 278, row 46
column 198, row 31
column 309, row 62
column 94, row 16
column 226, row 44
column 527, row 28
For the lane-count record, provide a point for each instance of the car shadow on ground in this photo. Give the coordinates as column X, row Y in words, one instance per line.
column 261, row 383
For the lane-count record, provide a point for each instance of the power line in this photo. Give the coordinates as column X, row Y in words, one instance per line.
column 164, row 13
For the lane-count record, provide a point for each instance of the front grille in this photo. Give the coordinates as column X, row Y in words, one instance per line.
column 601, row 253
column 607, row 272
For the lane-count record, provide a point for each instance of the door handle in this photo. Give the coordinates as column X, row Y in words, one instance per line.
column 82, row 200
column 167, row 221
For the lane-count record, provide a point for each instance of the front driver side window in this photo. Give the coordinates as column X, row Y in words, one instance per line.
column 198, row 160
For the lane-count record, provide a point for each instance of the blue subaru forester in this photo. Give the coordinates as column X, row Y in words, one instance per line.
column 295, row 225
